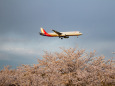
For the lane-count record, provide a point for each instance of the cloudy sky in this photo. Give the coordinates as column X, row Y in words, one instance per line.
column 20, row 22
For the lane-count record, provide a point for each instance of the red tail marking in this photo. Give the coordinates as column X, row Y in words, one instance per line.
column 46, row 33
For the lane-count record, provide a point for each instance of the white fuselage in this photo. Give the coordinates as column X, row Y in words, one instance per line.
column 74, row 33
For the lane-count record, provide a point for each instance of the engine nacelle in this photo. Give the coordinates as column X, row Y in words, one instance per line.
column 66, row 36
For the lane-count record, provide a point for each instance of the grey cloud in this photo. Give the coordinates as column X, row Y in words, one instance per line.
column 20, row 22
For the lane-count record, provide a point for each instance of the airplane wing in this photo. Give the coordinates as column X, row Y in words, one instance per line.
column 57, row 32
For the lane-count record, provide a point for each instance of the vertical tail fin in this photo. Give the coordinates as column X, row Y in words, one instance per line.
column 43, row 31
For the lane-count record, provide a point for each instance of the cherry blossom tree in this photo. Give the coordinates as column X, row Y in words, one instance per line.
column 71, row 67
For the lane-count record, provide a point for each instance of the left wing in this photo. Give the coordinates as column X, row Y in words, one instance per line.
column 57, row 32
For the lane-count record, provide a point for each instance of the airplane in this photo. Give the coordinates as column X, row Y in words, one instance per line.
column 60, row 34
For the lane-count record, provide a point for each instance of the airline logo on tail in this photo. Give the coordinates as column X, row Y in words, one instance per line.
column 60, row 34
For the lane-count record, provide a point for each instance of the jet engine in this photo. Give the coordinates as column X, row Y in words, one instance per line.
column 66, row 36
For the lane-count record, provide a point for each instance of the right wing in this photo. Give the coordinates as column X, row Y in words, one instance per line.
column 57, row 32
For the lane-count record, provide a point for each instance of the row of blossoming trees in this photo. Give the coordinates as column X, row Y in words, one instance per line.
column 71, row 67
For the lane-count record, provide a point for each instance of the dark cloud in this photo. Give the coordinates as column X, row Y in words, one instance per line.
column 20, row 22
